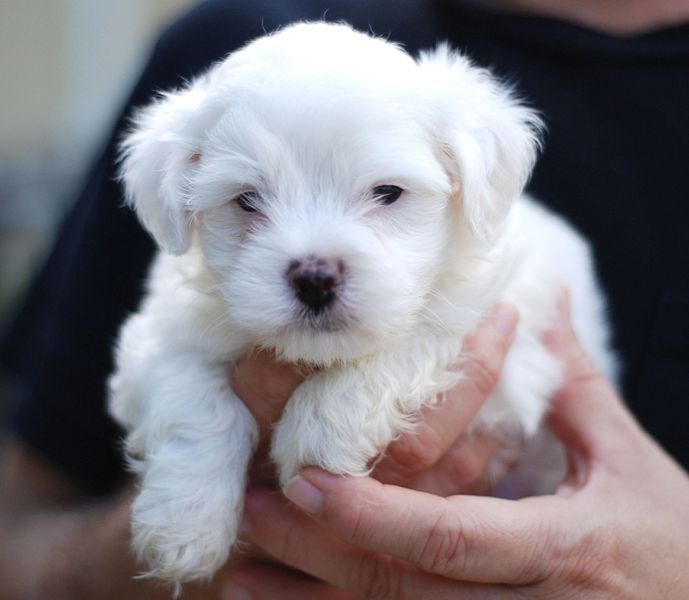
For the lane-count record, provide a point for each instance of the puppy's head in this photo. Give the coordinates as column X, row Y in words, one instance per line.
column 326, row 176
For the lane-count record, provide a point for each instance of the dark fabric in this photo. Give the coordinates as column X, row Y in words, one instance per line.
column 617, row 112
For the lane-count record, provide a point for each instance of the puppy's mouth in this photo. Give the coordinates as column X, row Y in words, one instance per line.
column 329, row 320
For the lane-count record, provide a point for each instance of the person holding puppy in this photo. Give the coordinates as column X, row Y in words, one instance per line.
column 60, row 542
column 612, row 529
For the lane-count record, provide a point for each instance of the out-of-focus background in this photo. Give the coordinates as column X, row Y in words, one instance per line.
column 66, row 67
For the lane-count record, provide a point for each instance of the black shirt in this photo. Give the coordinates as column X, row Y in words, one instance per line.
column 617, row 112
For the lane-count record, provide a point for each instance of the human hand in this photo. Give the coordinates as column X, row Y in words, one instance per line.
column 57, row 545
column 438, row 456
column 616, row 528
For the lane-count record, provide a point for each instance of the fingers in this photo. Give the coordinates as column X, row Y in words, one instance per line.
column 441, row 425
column 298, row 541
column 586, row 413
column 264, row 385
column 465, row 466
column 260, row 581
column 464, row 537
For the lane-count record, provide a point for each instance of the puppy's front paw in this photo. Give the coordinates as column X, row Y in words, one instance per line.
column 182, row 538
column 293, row 450
column 331, row 423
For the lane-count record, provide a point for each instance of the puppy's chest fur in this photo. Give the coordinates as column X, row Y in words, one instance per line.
column 367, row 253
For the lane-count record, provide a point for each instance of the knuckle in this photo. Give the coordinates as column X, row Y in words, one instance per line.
column 466, row 468
column 483, row 371
column 485, row 340
column 355, row 516
column 593, row 559
column 539, row 551
column 287, row 546
column 588, row 560
column 446, row 546
column 582, row 371
column 413, row 453
column 359, row 525
column 375, row 579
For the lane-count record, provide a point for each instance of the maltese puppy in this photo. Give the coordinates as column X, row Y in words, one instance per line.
column 323, row 194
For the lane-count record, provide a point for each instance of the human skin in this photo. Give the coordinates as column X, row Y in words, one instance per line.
column 617, row 527
column 59, row 542
column 617, row 17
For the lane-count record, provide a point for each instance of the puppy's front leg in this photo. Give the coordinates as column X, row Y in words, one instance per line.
column 343, row 418
column 191, row 440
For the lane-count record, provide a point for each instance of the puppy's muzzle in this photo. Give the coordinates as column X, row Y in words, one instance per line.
column 316, row 281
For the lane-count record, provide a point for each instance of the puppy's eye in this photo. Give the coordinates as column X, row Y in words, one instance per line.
column 386, row 194
column 248, row 201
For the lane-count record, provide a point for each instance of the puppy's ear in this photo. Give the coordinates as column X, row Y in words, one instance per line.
column 157, row 158
column 488, row 139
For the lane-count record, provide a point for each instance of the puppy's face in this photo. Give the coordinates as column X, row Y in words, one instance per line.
column 325, row 217
column 324, row 193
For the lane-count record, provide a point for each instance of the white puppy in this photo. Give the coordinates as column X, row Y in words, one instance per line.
column 323, row 194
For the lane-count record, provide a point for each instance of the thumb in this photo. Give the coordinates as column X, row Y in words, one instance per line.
column 586, row 413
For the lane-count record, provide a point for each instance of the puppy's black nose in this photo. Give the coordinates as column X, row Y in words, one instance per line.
column 315, row 281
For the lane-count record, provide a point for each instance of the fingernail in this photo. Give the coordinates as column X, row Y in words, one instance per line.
column 236, row 591
column 304, row 494
column 504, row 317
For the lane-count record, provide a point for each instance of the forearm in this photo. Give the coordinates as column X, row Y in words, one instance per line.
column 75, row 552
column 57, row 542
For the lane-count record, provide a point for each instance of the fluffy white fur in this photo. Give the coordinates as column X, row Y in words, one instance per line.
column 312, row 118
